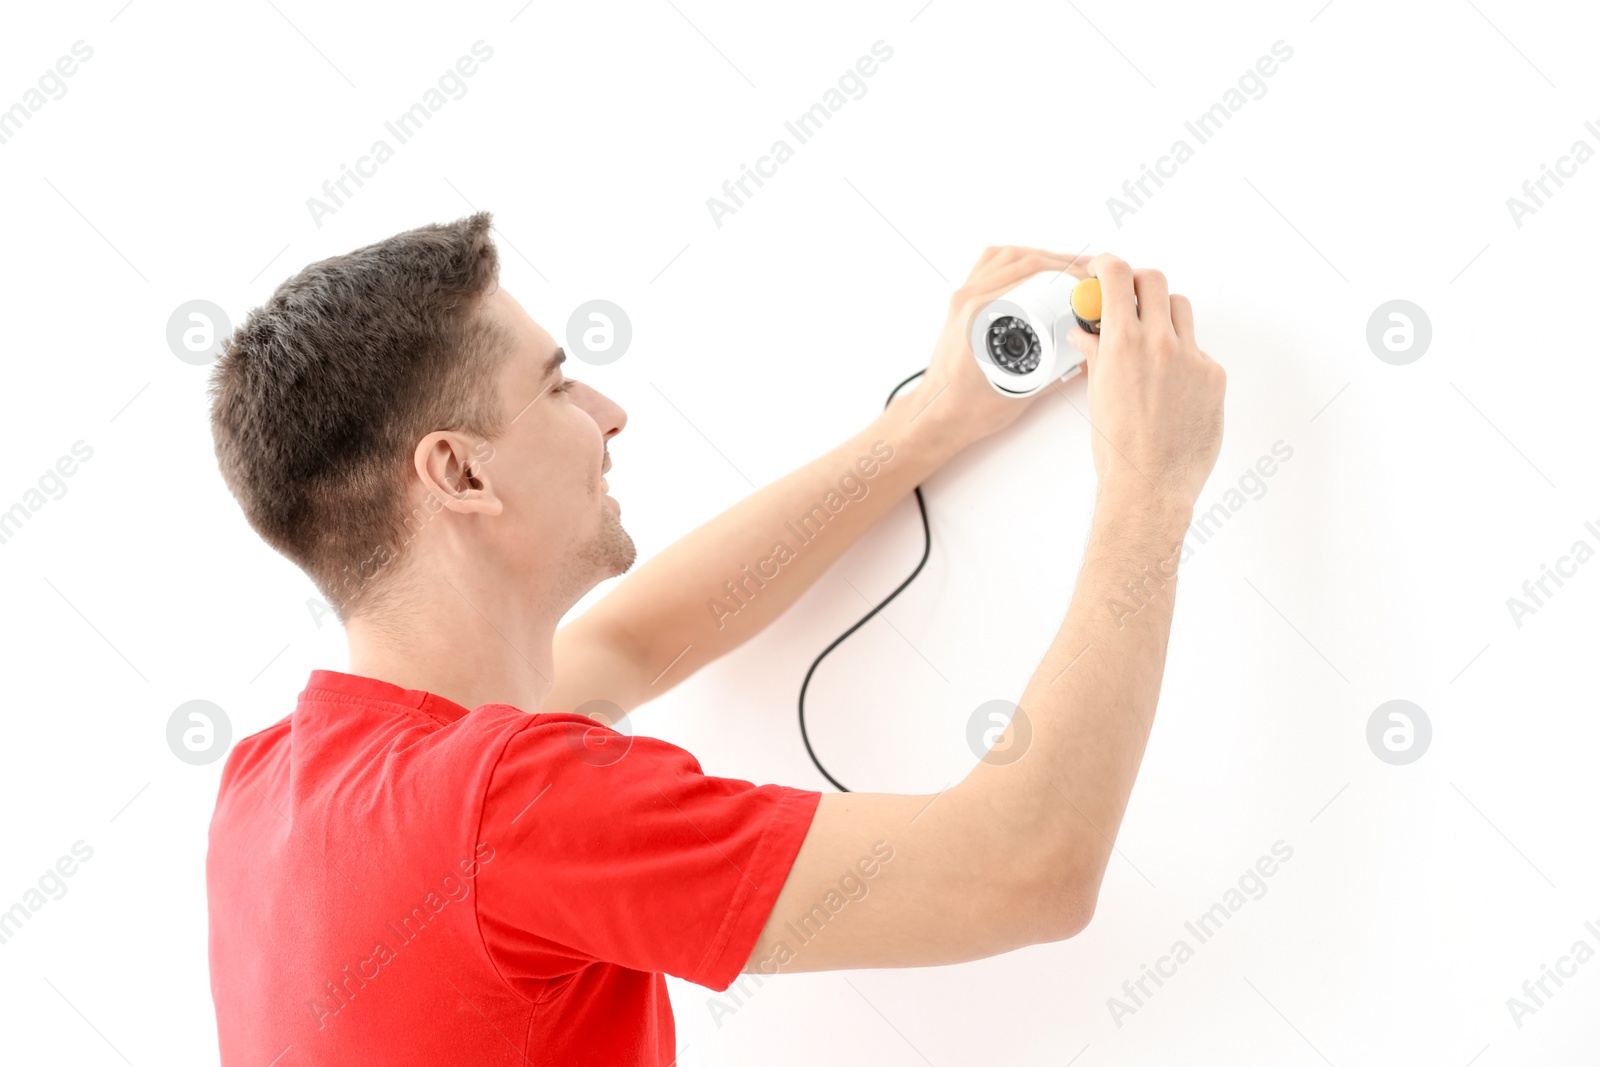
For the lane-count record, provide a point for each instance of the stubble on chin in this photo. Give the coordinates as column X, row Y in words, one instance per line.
column 612, row 549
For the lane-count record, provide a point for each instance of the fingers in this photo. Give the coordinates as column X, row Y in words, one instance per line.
column 1009, row 253
column 1128, row 296
column 1004, row 258
column 1182, row 318
column 1117, row 307
column 1086, row 343
column 1006, row 275
column 1005, row 270
column 1079, row 267
column 1150, row 286
column 988, row 254
column 991, row 255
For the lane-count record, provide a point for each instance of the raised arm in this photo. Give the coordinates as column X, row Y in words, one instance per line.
column 1015, row 852
column 722, row 583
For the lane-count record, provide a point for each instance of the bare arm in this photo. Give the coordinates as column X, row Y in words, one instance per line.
column 1015, row 853
column 722, row 583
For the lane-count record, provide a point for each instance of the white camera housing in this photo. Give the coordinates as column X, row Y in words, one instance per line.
column 1022, row 340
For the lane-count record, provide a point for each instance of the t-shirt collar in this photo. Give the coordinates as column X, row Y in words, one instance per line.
column 375, row 690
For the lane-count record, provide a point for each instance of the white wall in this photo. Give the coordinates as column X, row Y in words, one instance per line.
column 1376, row 566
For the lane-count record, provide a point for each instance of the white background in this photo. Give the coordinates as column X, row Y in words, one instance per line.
column 1376, row 566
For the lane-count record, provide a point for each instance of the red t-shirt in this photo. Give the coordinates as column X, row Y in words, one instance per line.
column 394, row 879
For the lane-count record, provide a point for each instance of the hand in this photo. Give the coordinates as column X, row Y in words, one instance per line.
column 954, row 392
column 1155, row 399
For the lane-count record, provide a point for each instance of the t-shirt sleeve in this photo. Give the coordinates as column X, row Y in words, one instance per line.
column 620, row 849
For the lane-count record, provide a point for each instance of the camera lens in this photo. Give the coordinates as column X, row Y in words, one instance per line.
column 1013, row 345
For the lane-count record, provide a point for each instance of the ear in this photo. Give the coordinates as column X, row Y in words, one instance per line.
column 454, row 468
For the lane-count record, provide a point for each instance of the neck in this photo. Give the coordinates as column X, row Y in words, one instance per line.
column 466, row 640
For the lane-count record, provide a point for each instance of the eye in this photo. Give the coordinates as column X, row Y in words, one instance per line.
column 565, row 386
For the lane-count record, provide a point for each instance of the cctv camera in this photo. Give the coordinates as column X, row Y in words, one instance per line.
column 1022, row 339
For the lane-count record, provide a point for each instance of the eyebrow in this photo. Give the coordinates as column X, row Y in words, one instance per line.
column 555, row 361
column 550, row 366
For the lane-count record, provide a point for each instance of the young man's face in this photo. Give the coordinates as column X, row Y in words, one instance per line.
column 548, row 467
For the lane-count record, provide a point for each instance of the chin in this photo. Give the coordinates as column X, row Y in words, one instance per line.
column 626, row 553
column 612, row 551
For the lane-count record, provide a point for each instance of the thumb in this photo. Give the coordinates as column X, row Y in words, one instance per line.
column 1085, row 342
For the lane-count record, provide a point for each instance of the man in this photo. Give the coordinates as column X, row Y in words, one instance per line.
column 441, row 858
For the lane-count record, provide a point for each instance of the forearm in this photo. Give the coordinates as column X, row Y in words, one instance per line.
column 720, row 584
column 1091, row 702
column 1015, row 852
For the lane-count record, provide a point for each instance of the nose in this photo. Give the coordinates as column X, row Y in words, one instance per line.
column 607, row 413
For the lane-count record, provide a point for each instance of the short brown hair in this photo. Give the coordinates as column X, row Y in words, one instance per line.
column 320, row 396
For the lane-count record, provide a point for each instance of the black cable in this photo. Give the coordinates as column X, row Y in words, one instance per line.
column 927, row 546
